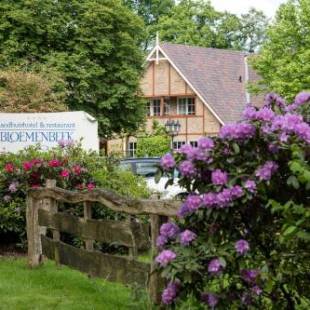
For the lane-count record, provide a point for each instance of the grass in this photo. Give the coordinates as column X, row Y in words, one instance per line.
column 59, row 288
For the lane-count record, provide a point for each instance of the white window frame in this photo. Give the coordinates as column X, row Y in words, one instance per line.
column 186, row 99
column 132, row 150
column 150, row 105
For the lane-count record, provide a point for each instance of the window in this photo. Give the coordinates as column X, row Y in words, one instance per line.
column 132, row 147
column 153, row 107
column 156, row 107
column 177, row 144
column 194, row 143
column 186, row 106
column 148, row 108
column 167, row 108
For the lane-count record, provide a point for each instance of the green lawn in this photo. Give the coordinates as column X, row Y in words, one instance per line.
column 59, row 288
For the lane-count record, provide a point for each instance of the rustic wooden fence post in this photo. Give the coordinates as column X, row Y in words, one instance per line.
column 33, row 231
column 89, row 244
column 51, row 206
column 156, row 283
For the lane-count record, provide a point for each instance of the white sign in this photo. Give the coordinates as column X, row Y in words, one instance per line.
column 19, row 130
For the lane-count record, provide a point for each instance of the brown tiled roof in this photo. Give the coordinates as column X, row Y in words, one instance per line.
column 217, row 75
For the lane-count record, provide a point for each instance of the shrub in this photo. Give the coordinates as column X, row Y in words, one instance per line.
column 241, row 239
column 71, row 167
column 31, row 92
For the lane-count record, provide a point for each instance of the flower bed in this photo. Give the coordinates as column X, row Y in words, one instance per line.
column 71, row 167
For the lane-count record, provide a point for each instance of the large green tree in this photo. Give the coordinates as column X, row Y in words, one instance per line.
column 284, row 61
column 150, row 11
column 94, row 44
column 198, row 23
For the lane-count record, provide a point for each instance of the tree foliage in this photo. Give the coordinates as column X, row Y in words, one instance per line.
column 150, row 11
column 284, row 61
column 155, row 144
column 198, row 23
column 94, row 44
column 30, row 92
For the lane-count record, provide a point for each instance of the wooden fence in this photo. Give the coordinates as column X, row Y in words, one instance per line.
column 42, row 214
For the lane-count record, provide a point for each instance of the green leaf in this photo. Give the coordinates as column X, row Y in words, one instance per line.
column 292, row 181
column 236, row 148
column 289, row 230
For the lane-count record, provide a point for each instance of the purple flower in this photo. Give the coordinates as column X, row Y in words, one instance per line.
column 239, row 131
column 200, row 154
column 249, row 113
column 187, row 236
column 65, row 143
column 273, row 148
column 184, row 210
column 219, row 177
column 187, row 168
column 205, row 143
column 215, row 266
column 256, row 290
column 169, row 230
column 274, row 98
column 167, row 162
column 249, row 275
column 210, row 299
column 266, row 171
column 209, row 200
column 13, row 187
column 302, row 98
column 236, row 192
column 223, row 198
column 161, row 241
column 250, row 185
column 170, row 293
column 265, row 114
column 165, row 257
column 188, row 151
column 193, row 202
column 242, row 246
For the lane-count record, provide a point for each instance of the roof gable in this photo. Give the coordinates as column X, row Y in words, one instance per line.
column 217, row 76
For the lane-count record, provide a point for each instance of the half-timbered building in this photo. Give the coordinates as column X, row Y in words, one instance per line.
column 202, row 88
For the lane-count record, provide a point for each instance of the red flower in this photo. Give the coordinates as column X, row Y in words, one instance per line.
column 35, row 186
column 91, row 186
column 27, row 165
column 64, row 173
column 54, row 163
column 9, row 168
column 77, row 169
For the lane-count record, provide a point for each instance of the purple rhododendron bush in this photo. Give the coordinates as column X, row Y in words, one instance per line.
column 242, row 237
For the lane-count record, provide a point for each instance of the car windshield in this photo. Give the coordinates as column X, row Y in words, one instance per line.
column 146, row 169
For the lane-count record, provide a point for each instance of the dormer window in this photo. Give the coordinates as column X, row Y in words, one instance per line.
column 186, row 106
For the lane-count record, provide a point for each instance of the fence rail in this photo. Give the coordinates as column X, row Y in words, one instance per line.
column 42, row 213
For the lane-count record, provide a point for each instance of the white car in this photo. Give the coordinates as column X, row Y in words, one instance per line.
column 148, row 167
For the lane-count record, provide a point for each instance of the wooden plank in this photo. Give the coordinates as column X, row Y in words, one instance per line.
column 110, row 267
column 110, row 200
column 101, row 230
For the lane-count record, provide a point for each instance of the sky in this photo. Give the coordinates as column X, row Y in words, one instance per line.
column 269, row 7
